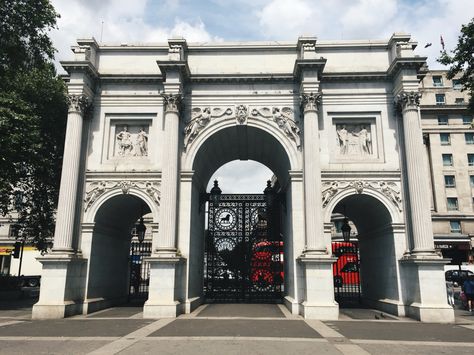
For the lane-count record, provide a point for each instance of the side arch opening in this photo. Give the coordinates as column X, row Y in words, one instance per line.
column 109, row 250
column 379, row 249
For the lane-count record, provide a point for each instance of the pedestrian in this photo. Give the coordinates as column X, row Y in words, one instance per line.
column 468, row 288
column 450, row 292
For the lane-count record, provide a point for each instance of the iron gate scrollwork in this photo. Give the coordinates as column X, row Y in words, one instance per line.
column 244, row 250
column 346, row 271
column 139, row 270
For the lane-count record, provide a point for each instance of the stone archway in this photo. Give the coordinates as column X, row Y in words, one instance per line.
column 219, row 146
column 381, row 241
column 106, row 245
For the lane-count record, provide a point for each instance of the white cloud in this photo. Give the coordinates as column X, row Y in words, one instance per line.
column 117, row 21
column 284, row 19
column 241, row 177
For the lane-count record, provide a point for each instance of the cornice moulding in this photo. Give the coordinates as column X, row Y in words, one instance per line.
column 411, row 62
column 80, row 66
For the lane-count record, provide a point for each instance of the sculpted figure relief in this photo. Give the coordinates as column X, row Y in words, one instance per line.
column 124, row 139
column 132, row 144
column 354, row 139
column 283, row 118
column 199, row 120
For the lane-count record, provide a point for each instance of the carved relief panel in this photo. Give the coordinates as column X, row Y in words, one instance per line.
column 127, row 139
column 131, row 140
column 356, row 139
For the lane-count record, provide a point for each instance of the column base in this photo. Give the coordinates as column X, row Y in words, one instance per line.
column 151, row 310
column 318, row 279
column 166, row 289
column 62, row 286
column 424, row 288
column 320, row 311
column 56, row 311
column 430, row 314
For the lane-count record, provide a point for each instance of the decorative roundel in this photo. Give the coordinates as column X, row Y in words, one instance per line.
column 225, row 219
column 225, row 244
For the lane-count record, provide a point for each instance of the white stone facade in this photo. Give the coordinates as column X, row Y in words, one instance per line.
column 336, row 121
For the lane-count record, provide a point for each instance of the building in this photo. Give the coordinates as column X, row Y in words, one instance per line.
column 336, row 121
column 449, row 140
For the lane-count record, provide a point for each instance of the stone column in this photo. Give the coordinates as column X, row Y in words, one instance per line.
column 166, row 243
column 63, row 234
column 422, row 233
column 315, row 243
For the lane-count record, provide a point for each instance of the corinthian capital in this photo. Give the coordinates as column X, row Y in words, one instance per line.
column 173, row 102
column 78, row 103
column 310, row 101
column 406, row 100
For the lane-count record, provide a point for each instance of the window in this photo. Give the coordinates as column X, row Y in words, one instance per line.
column 452, row 203
column 471, row 180
column 467, row 120
column 447, row 160
column 440, row 99
column 457, row 84
column 437, row 80
column 449, row 181
column 455, row 226
column 470, row 159
column 442, row 120
column 459, row 100
column 445, row 138
column 469, row 137
column 13, row 231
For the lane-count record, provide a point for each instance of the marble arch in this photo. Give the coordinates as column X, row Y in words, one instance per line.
column 344, row 112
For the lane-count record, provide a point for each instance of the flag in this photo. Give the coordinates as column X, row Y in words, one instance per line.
column 442, row 42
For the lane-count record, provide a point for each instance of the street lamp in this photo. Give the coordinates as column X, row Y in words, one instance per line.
column 215, row 195
column 269, row 194
column 346, row 230
column 141, row 229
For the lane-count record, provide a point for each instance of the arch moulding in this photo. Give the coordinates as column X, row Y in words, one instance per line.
column 393, row 206
column 291, row 147
column 147, row 191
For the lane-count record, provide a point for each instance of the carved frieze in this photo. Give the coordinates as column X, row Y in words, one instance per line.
column 390, row 189
column 97, row 188
column 241, row 114
column 200, row 118
column 283, row 117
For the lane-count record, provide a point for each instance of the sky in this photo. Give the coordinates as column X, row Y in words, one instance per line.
column 141, row 21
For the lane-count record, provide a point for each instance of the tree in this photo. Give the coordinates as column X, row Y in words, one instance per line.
column 462, row 60
column 33, row 111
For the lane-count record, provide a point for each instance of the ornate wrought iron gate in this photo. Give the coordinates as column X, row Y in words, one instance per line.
column 346, row 273
column 244, row 250
column 139, row 270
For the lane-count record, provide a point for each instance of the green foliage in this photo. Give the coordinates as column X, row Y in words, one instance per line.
column 462, row 60
column 33, row 113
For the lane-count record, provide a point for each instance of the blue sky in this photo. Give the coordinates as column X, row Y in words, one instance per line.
column 139, row 21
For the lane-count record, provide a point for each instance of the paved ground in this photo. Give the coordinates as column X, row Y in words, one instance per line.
column 229, row 329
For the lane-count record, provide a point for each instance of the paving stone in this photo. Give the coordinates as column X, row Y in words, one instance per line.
column 238, row 328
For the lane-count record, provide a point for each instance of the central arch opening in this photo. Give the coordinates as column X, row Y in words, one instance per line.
column 242, row 158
